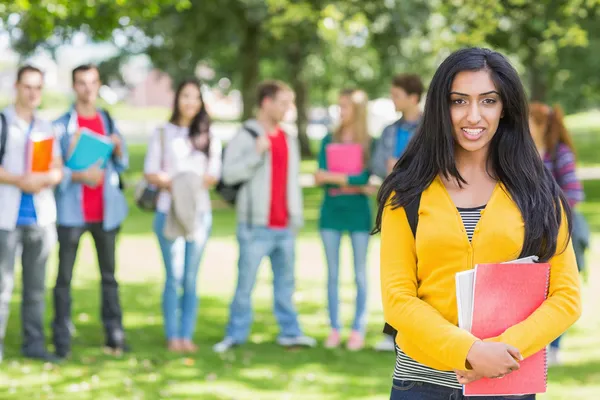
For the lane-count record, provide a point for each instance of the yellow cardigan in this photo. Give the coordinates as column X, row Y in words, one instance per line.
column 418, row 286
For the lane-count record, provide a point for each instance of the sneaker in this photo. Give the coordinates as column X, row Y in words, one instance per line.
column 62, row 352
column 356, row 341
column 224, row 345
column 43, row 356
column 297, row 341
column 116, row 349
column 386, row 344
column 333, row 340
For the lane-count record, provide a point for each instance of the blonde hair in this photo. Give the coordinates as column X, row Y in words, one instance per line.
column 358, row 126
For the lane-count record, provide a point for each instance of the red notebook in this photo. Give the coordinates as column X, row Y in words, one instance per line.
column 503, row 296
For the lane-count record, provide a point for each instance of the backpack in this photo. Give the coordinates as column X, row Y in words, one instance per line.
column 3, row 136
column 229, row 192
column 412, row 215
column 111, row 129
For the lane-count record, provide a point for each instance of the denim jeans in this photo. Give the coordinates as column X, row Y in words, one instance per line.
column 360, row 242
column 255, row 243
column 408, row 390
column 36, row 244
column 112, row 319
column 182, row 261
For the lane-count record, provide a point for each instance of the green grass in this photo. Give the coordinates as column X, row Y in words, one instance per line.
column 259, row 370
column 585, row 130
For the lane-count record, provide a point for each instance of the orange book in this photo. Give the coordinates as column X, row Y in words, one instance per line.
column 41, row 154
column 503, row 296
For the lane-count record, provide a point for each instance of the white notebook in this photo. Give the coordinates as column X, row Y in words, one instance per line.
column 464, row 292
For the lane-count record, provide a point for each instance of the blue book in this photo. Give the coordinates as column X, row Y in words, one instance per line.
column 91, row 149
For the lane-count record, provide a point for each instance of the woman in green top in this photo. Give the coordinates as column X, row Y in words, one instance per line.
column 346, row 208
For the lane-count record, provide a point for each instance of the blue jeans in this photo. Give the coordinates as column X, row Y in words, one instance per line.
column 255, row 244
column 360, row 242
column 182, row 260
column 408, row 390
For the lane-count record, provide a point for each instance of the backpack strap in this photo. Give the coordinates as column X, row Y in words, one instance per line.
column 111, row 123
column 3, row 136
column 412, row 215
column 111, row 130
column 254, row 135
column 251, row 131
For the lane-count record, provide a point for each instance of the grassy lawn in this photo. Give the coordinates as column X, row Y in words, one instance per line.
column 259, row 370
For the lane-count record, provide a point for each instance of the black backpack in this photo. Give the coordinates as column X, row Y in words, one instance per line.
column 3, row 136
column 412, row 215
column 229, row 192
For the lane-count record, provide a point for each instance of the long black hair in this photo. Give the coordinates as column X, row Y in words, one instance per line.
column 512, row 159
column 201, row 122
column 201, row 126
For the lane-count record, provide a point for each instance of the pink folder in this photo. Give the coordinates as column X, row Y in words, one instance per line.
column 346, row 158
column 504, row 295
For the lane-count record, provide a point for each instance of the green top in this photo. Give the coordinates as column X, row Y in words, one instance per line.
column 344, row 212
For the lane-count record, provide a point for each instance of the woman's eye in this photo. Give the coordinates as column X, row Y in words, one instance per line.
column 489, row 101
column 458, row 101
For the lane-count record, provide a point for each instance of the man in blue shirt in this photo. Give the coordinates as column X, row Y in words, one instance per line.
column 406, row 93
column 89, row 201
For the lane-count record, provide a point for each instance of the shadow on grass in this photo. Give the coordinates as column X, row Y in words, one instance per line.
column 149, row 371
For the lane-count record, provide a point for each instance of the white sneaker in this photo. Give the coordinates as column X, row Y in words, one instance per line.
column 298, row 341
column 224, row 345
column 386, row 344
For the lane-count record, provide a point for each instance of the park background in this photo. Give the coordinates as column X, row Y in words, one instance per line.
column 145, row 47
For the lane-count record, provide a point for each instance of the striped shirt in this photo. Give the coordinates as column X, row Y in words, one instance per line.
column 406, row 368
column 563, row 169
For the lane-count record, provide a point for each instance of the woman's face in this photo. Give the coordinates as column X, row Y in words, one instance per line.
column 189, row 103
column 346, row 110
column 475, row 109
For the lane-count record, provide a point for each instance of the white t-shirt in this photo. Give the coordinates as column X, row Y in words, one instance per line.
column 178, row 155
column 15, row 163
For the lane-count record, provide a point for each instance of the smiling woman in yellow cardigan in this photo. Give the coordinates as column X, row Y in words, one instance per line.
column 485, row 197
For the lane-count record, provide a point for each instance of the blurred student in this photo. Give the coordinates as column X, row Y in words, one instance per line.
column 346, row 208
column 406, row 92
column 555, row 146
column 265, row 159
column 184, row 161
column 89, row 201
column 28, row 216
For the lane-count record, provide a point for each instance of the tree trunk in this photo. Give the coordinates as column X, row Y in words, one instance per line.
column 250, row 58
column 300, row 86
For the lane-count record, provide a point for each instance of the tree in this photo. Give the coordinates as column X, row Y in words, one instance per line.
column 533, row 33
